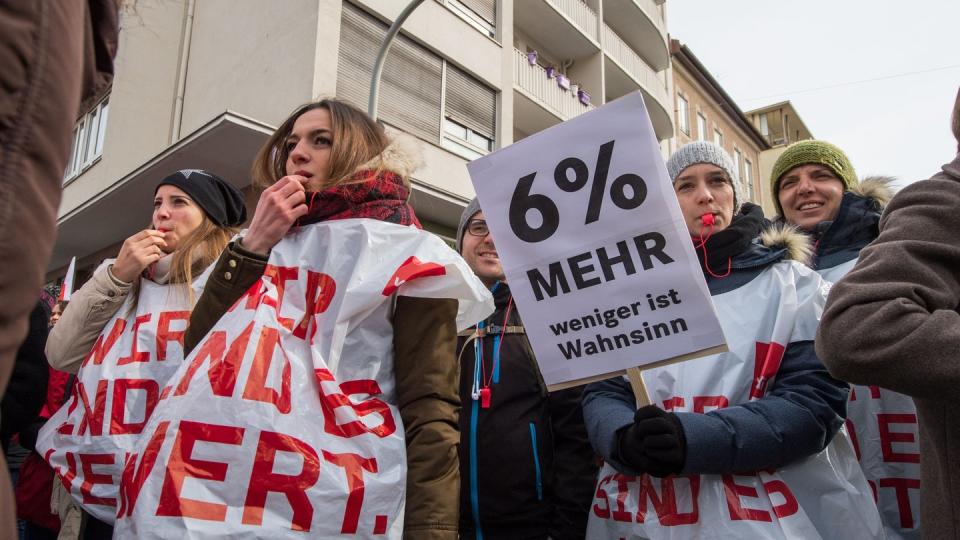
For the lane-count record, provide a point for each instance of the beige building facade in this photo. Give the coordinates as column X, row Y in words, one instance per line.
column 704, row 111
column 780, row 125
column 202, row 83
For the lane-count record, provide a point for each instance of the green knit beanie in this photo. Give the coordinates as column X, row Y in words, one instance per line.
column 811, row 152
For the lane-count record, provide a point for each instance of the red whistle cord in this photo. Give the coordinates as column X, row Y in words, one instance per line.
column 708, row 221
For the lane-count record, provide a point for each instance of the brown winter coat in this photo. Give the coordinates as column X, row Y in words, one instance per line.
column 54, row 58
column 893, row 321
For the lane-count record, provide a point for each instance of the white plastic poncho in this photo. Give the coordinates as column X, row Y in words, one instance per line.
column 884, row 431
column 283, row 421
column 117, row 387
column 823, row 496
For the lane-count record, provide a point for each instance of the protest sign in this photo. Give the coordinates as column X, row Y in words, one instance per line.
column 117, row 387
column 594, row 246
column 285, row 418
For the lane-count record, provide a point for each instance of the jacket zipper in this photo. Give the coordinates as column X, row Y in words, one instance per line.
column 474, row 419
column 536, row 460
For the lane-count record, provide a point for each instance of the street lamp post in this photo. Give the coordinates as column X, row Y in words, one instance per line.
column 382, row 55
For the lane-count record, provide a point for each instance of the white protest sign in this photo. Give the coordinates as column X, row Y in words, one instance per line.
column 595, row 248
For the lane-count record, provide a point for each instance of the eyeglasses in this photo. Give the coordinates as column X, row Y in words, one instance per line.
column 477, row 227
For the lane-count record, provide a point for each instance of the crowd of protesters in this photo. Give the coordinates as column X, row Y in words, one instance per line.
column 486, row 450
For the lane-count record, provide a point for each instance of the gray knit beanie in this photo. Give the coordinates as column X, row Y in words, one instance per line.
column 706, row 152
column 468, row 213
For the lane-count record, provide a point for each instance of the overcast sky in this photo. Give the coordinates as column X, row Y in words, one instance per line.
column 765, row 51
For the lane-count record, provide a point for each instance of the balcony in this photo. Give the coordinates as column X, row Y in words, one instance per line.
column 566, row 28
column 627, row 72
column 640, row 24
column 538, row 101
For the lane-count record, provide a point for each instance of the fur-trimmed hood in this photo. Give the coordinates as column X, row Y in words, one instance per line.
column 782, row 236
column 876, row 188
column 403, row 156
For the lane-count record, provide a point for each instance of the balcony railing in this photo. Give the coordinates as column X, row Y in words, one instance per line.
column 634, row 65
column 534, row 81
column 580, row 13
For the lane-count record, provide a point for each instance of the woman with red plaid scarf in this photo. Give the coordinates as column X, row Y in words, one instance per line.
column 330, row 161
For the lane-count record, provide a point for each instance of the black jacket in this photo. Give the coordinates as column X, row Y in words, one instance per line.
column 27, row 389
column 527, row 470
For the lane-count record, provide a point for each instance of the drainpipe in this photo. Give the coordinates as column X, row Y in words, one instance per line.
column 382, row 55
column 176, row 119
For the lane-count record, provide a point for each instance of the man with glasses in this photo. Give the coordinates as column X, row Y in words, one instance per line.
column 526, row 466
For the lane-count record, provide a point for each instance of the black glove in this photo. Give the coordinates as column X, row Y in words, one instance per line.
column 654, row 443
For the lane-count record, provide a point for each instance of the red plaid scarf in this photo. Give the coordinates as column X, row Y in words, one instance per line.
column 367, row 195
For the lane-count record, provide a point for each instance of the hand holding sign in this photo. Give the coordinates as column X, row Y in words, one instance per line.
column 588, row 205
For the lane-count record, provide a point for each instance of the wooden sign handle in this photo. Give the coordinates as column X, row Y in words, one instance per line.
column 639, row 389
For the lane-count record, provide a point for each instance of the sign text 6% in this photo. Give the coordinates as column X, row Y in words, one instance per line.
column 628, row 191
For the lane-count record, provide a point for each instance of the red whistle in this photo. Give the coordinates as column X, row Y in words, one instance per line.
column 484, row 398
column 707, row 219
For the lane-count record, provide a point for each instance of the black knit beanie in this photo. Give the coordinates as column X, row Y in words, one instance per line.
column 222, row 202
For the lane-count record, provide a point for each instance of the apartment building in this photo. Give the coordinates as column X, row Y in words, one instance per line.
column 780, row 125
column 704, row 111
column 202, row 83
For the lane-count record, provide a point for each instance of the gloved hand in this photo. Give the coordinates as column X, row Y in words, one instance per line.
column 654, row 443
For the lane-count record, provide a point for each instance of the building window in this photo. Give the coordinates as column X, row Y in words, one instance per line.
column 480, row 14
column 87, row 140
column 717, row 137
column 472, row 106
column 748, row 177
column 420, row 92
column 683, row 114
column 764, row 128
column 464, row 141
column 737, row 161
column 701, row 127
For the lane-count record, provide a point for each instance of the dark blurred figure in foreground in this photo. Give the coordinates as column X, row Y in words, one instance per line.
column 55, row 58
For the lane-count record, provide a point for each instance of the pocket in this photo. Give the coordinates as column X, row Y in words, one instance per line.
column 536, row 460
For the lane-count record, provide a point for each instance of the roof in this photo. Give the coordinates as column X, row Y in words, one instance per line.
column 684, row 56
column 781, row 105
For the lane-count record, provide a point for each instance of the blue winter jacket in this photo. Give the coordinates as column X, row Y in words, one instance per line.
column 798, row 417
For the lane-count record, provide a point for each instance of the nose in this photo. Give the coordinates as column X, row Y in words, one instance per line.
column 298, row 154
column 805, row 185
column 162, row 212
column 704, row 195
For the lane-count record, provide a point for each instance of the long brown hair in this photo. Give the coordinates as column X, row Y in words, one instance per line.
column 356, row 139
column 196, row 252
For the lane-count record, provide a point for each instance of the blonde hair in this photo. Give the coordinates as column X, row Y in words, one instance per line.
column 356, row 139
